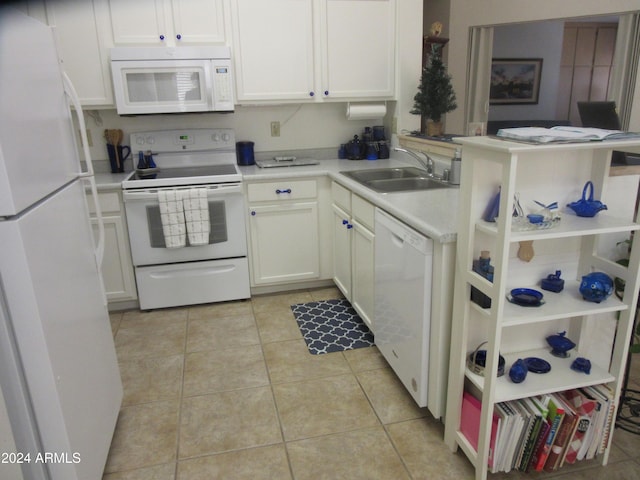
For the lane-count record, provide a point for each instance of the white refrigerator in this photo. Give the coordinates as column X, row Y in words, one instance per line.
column 59, row 375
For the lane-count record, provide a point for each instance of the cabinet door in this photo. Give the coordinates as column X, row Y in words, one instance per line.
column 274, row 56
column 284, row 242
column 117, row 271
column 82, row 38
column 142, row 22
column 342, row 228
column 358, row 41
column 198, row 21
column 362, row 264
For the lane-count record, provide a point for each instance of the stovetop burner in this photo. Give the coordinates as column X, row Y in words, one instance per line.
column 182, row 172
column 185, row 157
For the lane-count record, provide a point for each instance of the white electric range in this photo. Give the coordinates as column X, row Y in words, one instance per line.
column 186, row 218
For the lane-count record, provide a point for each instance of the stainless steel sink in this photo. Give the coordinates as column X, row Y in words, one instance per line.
column 388, row 180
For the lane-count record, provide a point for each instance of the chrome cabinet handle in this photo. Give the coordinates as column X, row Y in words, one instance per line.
column 278, row 191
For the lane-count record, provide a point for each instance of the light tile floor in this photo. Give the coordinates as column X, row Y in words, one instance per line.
column 229, row 391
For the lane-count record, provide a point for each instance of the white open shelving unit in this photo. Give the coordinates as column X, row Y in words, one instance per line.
column 575, row 245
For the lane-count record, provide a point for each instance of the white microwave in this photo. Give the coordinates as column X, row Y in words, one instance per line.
column 172, row 80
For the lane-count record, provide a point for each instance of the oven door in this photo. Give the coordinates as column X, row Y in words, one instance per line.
column 227, row 238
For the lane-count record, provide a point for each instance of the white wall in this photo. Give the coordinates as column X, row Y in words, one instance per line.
column 465, row 14
column 531, row 40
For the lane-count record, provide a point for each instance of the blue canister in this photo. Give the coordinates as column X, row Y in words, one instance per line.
column 244, row 153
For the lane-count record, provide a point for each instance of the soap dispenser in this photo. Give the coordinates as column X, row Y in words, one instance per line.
column 456, row 166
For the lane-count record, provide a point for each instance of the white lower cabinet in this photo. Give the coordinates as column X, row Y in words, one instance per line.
column 117, row 268
column 285, row 238
column 353, row 246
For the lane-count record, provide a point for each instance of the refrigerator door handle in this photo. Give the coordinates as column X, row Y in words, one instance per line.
column 89, row 174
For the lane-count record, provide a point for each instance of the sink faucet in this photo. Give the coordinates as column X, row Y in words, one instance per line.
column 428, row 165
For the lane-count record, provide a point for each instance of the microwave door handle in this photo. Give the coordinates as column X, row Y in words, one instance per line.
column 209, row 84
column 89, row 174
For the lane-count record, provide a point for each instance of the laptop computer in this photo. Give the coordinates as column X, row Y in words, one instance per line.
column 604, row 115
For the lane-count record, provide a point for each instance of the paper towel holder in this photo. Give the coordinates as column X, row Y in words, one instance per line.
column 366, row 110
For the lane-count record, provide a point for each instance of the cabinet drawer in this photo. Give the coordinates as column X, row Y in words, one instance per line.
column 282, row 190
column 341, row 196
column 363, row 212
column 109, row 203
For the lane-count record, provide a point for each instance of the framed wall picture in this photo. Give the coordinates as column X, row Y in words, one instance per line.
column 515, row 81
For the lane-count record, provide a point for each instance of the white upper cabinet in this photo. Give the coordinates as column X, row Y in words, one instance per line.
column 314, row 50
column 273, row 49
column 82, row 39
column 167, row 22
column 358, row 39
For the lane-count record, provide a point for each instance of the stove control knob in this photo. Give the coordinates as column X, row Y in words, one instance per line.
column 140, row 141
column 150, row 140
column 215, row 137
column 225, row 137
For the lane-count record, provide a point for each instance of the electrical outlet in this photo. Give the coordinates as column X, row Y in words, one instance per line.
column 275, row 129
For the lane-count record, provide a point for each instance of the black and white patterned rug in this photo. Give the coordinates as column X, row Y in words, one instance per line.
column 331, row 326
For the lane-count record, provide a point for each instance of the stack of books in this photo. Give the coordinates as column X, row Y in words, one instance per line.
column 563, row 134
column 543, row 432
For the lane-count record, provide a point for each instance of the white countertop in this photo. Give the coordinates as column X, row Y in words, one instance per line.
column 431, row 212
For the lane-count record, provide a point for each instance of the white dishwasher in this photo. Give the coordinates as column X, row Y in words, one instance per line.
column 403, row 265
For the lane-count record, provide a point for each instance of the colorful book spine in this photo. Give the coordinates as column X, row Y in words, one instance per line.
column 565, row 432
column 585, row 409
column 555, row 418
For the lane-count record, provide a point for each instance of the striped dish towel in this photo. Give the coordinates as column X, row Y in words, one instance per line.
column 172, row 217
column 196, row 214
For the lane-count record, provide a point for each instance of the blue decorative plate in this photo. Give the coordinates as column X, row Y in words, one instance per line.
column 537, row 365
column 526, row 297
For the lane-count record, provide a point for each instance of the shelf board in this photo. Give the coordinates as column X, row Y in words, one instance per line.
column 568, row 226
column 565, row 304
column 560, row 378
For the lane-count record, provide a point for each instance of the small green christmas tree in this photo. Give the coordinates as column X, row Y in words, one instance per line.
column 435, row 95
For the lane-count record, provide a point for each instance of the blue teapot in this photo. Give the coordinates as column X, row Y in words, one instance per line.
column 596, row 287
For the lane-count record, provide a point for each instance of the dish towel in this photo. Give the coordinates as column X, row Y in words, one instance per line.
column 172, row 217
column 196, row 214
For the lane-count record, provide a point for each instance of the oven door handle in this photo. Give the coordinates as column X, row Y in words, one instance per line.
column 152, row 193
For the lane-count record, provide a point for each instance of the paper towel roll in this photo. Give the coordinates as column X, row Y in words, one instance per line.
column 366, row 111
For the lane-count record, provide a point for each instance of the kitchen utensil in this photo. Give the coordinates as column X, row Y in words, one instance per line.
column 518, row 371
column 355, row 149
column 553, row 282
column 121, row 152
column 244, row 153
column 493, row 208
column 581, row 364
column 477, row 359
column 587, row 206
column 537, row 365
column 560, row 345
column 526, row 297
